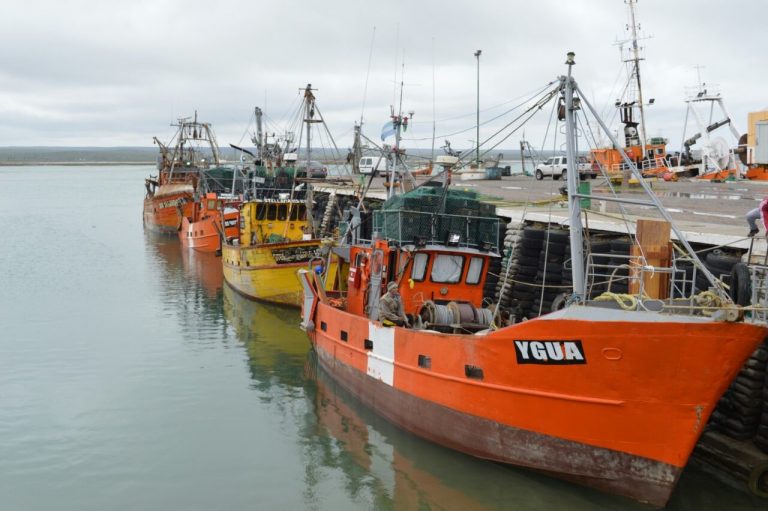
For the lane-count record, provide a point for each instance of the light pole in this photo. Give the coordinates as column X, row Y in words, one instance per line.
column 477, row 140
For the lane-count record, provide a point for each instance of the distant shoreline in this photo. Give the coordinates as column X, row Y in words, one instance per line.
column 71, row 163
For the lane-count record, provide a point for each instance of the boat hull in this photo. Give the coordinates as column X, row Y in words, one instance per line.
column 204, row 235
column 633, row 476
column 757, row 174
column 267, row 271
column 624, row 420
column 164, row 211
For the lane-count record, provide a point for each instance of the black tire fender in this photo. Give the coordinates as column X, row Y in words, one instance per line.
column 758, row 480
column 741, row 285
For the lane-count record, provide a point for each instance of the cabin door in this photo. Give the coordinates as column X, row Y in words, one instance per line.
column 374, row 287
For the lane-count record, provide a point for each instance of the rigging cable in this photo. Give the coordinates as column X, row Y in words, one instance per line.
column 367, row 75
column 529, row 97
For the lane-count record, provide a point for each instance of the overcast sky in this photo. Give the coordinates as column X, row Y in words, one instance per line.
column 117, row 73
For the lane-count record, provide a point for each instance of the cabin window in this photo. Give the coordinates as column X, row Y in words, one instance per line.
column 294, row 212
column 419, row 270
column 302, row 212
column 359, row 258
column 271, row 212
column 282, row 212
column 475, row 270
column 261, row 211
column 447, row 268
column 211, row 204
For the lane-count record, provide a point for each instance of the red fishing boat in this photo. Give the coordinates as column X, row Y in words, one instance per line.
column 212, row 220
column 608, row 391
column 171, row 194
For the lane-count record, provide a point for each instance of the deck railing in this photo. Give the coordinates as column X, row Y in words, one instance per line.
column 759, row 283
column 607, row 272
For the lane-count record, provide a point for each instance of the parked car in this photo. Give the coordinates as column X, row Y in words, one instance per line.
column 557, row 166
column 316, row 169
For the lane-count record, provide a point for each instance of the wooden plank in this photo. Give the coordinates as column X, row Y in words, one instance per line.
column 653, row 232
column 653, row 237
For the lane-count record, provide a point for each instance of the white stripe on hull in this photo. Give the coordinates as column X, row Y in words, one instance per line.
column 381, row 359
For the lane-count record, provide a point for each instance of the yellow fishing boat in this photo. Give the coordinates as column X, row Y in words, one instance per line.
column 275, row 241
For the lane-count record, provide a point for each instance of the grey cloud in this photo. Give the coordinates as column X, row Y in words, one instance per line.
column 117, row 73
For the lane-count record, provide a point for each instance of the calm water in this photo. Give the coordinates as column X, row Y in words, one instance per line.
column 132, row 379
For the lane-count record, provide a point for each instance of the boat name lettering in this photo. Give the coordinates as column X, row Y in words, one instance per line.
column 294, row 254
column 230, row 222
column 550, row 352
column 169, row 203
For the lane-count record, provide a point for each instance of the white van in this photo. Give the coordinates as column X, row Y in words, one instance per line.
column 373, row 165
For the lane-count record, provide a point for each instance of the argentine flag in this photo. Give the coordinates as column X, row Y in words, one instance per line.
column 387, row 130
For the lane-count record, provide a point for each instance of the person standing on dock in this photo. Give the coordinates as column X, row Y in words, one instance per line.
column 759, row 212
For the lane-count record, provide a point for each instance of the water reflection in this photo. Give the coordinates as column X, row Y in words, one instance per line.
column 189, row 285
column 275, row 346
column 402, row 471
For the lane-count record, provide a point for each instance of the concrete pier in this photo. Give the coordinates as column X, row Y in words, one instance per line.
column 706, row 212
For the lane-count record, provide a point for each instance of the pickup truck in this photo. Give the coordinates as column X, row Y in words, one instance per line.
column 556, row 167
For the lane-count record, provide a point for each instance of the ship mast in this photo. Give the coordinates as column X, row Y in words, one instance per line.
column 259, row 133
column 572, row 176
column 357, row 149
column 636, row 71
column 400, row 123
column 309, row 118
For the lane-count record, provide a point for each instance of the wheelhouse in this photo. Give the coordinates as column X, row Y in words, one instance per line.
column 432, row 273
column 272, row 220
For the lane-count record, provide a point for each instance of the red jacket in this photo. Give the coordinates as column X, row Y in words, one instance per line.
column 764, row 212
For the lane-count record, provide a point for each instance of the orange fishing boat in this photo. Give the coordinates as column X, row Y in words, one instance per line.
column 647, row 154
column 166, row 204
column 212, row 220
column 170, row 196
column 608, row 391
